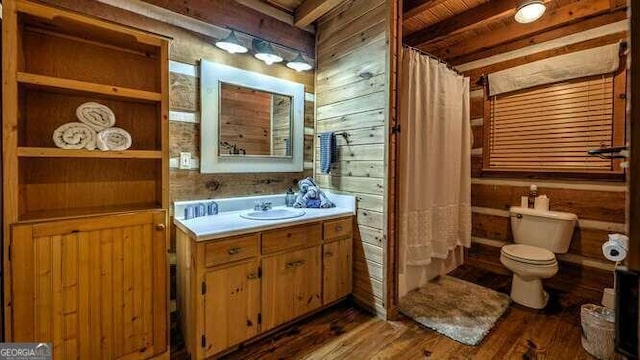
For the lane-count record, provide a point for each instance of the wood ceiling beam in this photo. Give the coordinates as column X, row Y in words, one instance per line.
column 271, row 9
column 587, row 24
column 311, row 10
column 242, row 18
column 414, row 8
column 468, row 20
column 554, row 18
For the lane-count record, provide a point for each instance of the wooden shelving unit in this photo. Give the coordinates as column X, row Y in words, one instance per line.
column 111, row 200
column 62, row 61
column 83, row 86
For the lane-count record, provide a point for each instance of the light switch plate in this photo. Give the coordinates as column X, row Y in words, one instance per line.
column 185, row 160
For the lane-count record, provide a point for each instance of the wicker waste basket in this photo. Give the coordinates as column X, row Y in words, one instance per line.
column 598, row 331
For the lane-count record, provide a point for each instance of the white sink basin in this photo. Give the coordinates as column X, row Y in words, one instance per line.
column 274, row 214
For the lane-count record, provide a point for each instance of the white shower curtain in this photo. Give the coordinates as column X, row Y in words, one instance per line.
column 435, row 169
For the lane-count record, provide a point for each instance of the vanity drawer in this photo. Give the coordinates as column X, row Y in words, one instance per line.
column 290, row 238
column 338, row 229
column 238, row 248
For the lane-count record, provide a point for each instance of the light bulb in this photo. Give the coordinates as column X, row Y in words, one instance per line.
column 265, row 52
column 529, row 11
column 269, row 59
column 231, row 45
column 299, row 64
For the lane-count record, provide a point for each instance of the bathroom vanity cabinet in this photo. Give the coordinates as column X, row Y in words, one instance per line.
column 233, row 289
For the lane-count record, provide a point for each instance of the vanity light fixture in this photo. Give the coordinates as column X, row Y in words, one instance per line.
column 529, row 11
column 265, row 52
column 299, row 64
column 231, row 44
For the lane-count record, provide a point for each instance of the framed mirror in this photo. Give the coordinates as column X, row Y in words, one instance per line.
column 251, row 122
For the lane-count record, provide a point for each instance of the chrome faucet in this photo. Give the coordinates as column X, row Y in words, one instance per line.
column 262, row 206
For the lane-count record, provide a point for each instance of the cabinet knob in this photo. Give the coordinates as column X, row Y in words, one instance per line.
column 160, row 227
column 328, row 253
column 339, row 228
column 234, row 250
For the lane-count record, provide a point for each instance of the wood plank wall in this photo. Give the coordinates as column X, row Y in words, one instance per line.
column 246, row 119
column 599, row 206
column 352, row 97
column 281, row 126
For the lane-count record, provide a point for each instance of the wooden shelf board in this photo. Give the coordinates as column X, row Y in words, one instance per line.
column 62, row 214
column 83, row 86
column 82, row 153
column 69, row 20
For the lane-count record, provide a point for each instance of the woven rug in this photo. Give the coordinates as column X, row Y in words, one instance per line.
column 455, row 308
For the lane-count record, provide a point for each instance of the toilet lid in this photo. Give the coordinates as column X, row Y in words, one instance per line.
column 529, row 254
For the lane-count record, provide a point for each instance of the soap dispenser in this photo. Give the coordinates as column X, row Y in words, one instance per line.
column 533, row 193
column 290, row 198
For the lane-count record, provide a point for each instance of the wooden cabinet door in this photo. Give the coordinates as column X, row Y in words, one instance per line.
column 231, row 306
column 291, row 285
column 336, row 263
column 94, row 287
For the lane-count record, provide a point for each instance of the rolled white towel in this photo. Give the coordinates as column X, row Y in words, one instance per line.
column 114, row 138
column 97, row 116
column 75, row 135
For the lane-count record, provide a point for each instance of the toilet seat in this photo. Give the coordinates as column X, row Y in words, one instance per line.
column 528, row 254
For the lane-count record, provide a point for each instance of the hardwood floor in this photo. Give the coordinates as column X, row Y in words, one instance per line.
column 347, row 332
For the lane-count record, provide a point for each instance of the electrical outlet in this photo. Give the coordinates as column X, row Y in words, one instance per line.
column 185, row 160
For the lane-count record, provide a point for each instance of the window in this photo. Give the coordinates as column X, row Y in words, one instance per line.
column 550, row 128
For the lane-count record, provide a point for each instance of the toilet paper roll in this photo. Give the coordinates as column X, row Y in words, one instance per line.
column 524, row 201
column 541, row 203
column 614, row 251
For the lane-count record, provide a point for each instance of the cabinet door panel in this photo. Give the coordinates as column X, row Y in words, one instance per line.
column 337, row 270
column 231, row 306
column 291, row 285
column 95, row 293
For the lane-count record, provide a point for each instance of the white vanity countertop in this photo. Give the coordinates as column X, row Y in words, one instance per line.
column 229, row 223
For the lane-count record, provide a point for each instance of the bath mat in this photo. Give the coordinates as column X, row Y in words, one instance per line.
column 455, row 308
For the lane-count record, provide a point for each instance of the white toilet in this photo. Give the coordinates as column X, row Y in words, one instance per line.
column 538, row 236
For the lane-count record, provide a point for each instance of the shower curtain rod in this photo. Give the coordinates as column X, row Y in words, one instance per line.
column 449, row 66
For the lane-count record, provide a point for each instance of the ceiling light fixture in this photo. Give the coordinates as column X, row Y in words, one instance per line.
column 529, row 11
column 265, row 52
column 299, row 64
column 231, row 44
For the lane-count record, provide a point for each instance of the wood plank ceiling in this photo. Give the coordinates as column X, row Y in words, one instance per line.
column 285, row 22
column 304, row 12
column 289, row 6
column 462, row 30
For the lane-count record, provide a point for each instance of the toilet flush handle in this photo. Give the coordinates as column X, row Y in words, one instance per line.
column 519, row 216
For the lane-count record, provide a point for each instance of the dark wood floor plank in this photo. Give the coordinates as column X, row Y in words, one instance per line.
column 310, row 337
column 407, row 346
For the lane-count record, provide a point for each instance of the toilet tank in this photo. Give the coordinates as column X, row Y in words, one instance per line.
column 551, row 230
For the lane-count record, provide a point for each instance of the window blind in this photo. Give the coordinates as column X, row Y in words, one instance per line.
column 552, row 127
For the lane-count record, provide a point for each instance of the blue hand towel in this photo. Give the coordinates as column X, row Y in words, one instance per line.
column 328, row 151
